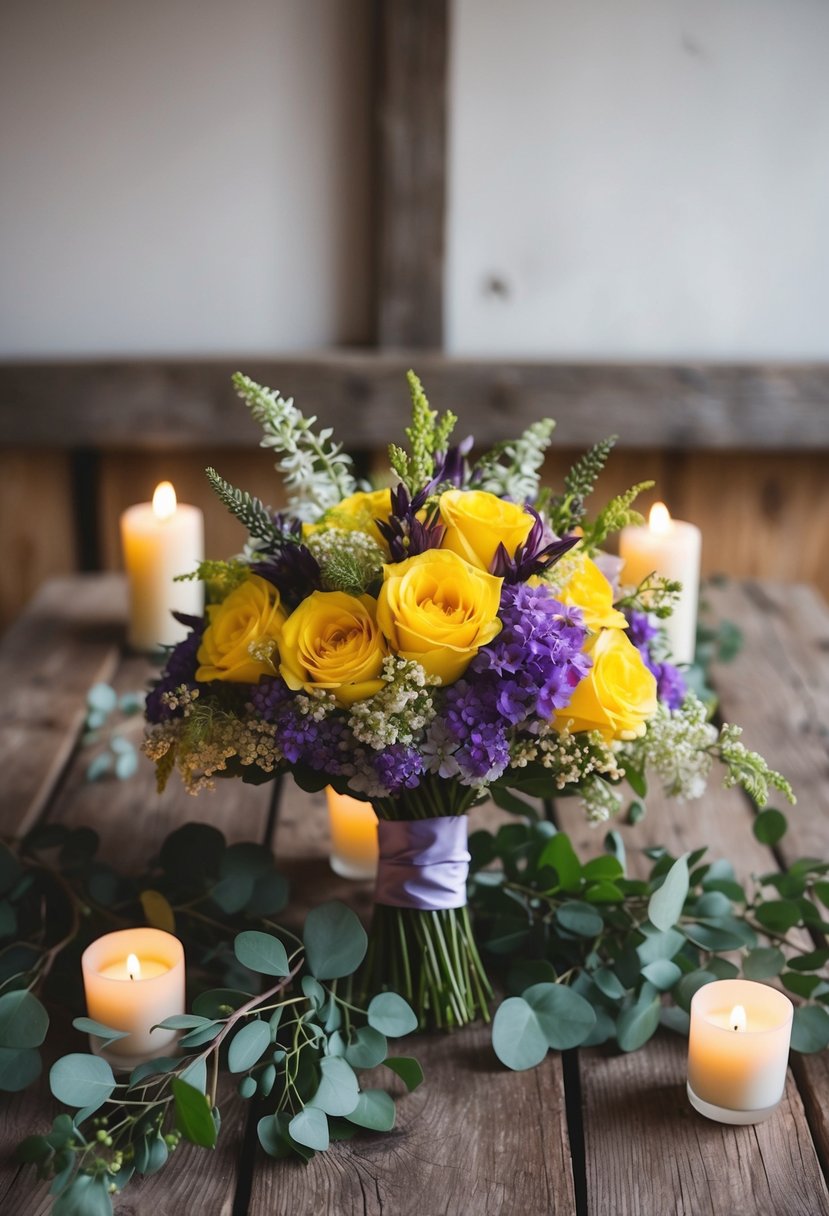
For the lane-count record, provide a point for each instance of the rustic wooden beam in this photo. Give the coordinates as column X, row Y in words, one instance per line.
column 410, row 119
column 174, row 403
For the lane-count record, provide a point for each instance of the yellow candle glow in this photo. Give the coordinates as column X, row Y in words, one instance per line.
column 160, row 540
column 354, row 846
column 738, row 1050
column 672, row 548
column 133, row 979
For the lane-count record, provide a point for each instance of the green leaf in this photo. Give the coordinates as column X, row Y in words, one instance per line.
column 639, row 1023
column 33, row 1149
column 662, row 973
column 367, row 1049
column 219, row 1002
column 270, row 895
column 19, row 1067
column 579, row 918
column 713, row 939
column 637, row 781
column 800, row 984
column 810, row 961
column 272, row 1131
column 810, row 1029
column 609, row 983
column 517, row 1037
column 770, row 826
column 314, row 991
column 185, row 1021
column 153, row 1068
column 374, row 1110
column 559, row 853
column 779, row 915
column 194, row 1118
column 666, row 904
column 660, row 945
column 615, row 845
column 338, row 1090
column 102, row 697
column 85, row 1196
column 192, row 853
column 90, row 1026
column 248, row 1045
column 196, row 1074
column 201, row 1035
column 763, row 962
column 310, row 1127
column 232, row 893
column 261, row 952
column 712, row 904
column 391, row 1015
column 23, row 1020
column 81, row 1080
column 247, row 1087
column 335, row 943
column 602, row 867
column 151, row 1154
column 564, row 1017
column 407, row 1068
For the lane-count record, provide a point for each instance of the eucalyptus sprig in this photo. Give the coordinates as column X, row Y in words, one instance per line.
column 590, row 955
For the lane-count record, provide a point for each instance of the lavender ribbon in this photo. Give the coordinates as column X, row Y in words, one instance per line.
column 423, row 863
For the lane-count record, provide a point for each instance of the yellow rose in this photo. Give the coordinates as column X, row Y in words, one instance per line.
column 357, row 513
column 242, row 634
column 331, row 641
column 588, row 589
column 618, row 694
column 477, row 522
column 438, row 610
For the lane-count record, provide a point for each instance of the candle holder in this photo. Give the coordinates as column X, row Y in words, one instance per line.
column 738, row 1050
column 134, row 996
column 354, row 847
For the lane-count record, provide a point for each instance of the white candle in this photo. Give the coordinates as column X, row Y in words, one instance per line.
column 672, row 548
column 133, row 979
column 354, row 847
column 738, row 1050
column 160, row 540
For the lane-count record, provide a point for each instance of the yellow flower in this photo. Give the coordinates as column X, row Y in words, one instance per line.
column 618, row 694
column 242, row 634
column 588, row 589
column 477, row 522
column 331, row 641
column 438, row 610
column 357, row 513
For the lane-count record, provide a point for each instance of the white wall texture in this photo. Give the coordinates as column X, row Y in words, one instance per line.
column 182, row 176
column 640, row 179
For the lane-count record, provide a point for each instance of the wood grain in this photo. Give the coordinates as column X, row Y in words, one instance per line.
column 174, row 403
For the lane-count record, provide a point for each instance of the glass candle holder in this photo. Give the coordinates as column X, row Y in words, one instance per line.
column 738, row 1050
column 353, row 826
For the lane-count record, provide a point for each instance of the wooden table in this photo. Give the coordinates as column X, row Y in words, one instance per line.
column 591, row 1132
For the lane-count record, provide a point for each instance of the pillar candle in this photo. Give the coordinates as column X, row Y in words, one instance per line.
column 354, row 846
column 160, row 540
column 738, row 1050
column 672, row 548
column 133, row 979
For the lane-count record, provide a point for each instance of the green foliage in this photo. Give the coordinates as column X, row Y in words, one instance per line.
column 567, row 510
column 219, row 577
column 426, row 435
column 588, row 953
column 249, row 510
column 618, row 513
column 512, row 469
column 106, row 726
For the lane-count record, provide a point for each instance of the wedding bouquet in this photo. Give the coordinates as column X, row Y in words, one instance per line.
column 457, row 635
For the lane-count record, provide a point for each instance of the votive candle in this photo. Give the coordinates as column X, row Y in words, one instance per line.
column 354, row 847
column 672, row 548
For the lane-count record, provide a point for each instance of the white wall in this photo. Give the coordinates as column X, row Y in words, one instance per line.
column 645, row 178
column 184, row 176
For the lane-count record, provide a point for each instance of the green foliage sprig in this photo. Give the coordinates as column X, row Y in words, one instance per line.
column 568, row 509
column 110, row 718
column 248, row 509
column 591, row 955
column 426, row 435
column 219, row 577
column 618, row 513
column 299, row 1045
column 512, row 469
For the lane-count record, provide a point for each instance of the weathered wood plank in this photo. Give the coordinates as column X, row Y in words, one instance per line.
column 164, row 404
column 68, row 639
column 410, row 117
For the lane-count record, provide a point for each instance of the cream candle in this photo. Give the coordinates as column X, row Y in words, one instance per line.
column 738, row 1050
column 160, row 540
column 354, row 845
column 133, row 979
column 672, row 548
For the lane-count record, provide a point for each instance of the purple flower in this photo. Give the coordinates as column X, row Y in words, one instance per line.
column 671, row 685
column 179, row 669
column 398, row 767
column 539, row 551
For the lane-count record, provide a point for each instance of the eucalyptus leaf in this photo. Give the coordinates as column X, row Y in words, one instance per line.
column 638, row 1023
column 770, row 826
column 248, row 1045
column 261, row 952
column 374, row 1110
column 90, row 1026
column 269, row 896
column 580, row 918
column 19, row 1067
column 666, row 904
column 196, row 1074
column 559, row 853
column 335, row 943
column 102, row 697
column 310, row 1127
column 658, row 945
column 99, row 766
column 153, row 1068
column 81, row 1080
column 565, row 1018
column 517, row 1037
column 407, row 1068
column 367, row 1049
column 810, row 1029
column 194, row 1118
column 662, row 973
column 391, row 1015
column 126, row 766
column 23, row 1020
column 272, row 1132
column 763, row 962
column 338, row 1090
column 184, row 1021
column 85, row 1196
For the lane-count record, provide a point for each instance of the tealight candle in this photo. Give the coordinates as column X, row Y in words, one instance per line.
column 160, row 540
column 134, row 979
column 672, row 548
column 738, row 1050
column 354, row 845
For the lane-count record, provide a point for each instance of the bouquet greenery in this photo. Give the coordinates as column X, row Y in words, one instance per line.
column 458, row 635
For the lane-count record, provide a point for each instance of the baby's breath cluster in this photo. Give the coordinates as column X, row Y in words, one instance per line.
column 570, row 758
column 678, row 747
column 400, row 711
column 349, row 560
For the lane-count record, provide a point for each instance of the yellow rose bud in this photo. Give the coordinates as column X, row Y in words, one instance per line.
column 331, row 641
column 438, row 610
column 588, row 589
column 477, row 522
column 358, row 513
column 242, row 634
column 618, row 694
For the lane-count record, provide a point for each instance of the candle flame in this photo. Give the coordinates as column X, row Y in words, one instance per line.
column 133, row 967
column 737, row 1021
column 164, row 500
column 659, row 520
